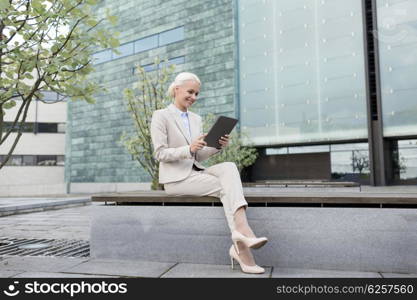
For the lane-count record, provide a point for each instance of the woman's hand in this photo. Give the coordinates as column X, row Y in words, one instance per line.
column 224, row 140
column 198, row 144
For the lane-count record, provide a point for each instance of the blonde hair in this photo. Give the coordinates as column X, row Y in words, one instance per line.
column 179, row 80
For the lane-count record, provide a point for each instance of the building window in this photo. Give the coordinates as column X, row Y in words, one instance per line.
column 46, row 160
column 405, row 160
column 140, row 45
column 171, row 36
column 397, row 44
column 37, row 127
column 26, row 127
column 152, row 67
column 102, row 56
column 34, row 160
column 61, row 127
column 301, row 71
column 15, row 160
column 49, row 96
column 60, row 160
column 47, row 127
column 146, row 43
column 29, row 160
column 125, row 50
column 349, row 162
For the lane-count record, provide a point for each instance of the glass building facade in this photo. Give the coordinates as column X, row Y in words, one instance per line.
column 332, row 82
column 302, row 74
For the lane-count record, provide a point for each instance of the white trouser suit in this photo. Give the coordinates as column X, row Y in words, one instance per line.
column 172, row 149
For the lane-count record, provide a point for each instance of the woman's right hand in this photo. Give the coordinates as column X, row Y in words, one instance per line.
column 198, row 144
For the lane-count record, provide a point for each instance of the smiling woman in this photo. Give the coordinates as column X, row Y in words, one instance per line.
column 179, row 147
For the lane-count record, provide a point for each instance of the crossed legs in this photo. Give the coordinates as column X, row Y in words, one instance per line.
column 222, row 181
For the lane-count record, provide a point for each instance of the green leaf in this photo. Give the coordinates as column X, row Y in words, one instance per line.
column 112, row 20
column 4, row 4
column 114, row 42
column 9, row 104
column 92, row 22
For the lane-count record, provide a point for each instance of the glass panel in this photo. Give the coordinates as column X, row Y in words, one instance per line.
column 61, row 127
column 348, row 147
column 49, row 96
column 147, row 43
column 15, row 160
column 171, row 36
column 27, row 127
column 149, row 68
column 309, row 149
column 301, row 70
column 350, row 162
column 125, row 50
column 405, row 161
column 397, row 38
column 60, row 160
column 102, row 56
column 47, row 127
column 176, row 60
column 275, row 151
column 46, row 160
column 29, row 160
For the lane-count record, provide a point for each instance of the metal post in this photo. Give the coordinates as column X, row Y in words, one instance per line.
column 377, row 155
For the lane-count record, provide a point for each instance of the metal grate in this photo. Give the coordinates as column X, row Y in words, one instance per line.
column 44, row 247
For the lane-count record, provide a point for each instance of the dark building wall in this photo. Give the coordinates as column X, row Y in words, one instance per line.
column 292, row 166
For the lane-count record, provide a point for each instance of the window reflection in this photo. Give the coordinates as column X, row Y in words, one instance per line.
column 125, row 50
column 171, row 36
column 397, row 39
column 143, row 44
column 302, row 73
column 34, row 160
column 146, row 43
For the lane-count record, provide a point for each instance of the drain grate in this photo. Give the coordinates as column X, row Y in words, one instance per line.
column 44, row 247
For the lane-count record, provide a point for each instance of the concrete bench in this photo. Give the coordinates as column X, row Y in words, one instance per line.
column 266, row 197
column 302, row 183
column 357, row 239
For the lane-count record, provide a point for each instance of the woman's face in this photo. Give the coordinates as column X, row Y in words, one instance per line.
column 186, row 94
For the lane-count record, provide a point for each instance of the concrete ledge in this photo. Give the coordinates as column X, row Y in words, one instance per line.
column 107, row 187
column 261, row 195
column 351, row 239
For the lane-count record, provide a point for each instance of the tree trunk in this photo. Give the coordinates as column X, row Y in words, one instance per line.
column 155, row 185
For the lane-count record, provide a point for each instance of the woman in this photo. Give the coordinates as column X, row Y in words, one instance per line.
column 179, row 147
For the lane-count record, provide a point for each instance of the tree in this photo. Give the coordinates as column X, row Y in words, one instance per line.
column 241, row 155
column 46, row 45
column 148, row 95
column 360, row 161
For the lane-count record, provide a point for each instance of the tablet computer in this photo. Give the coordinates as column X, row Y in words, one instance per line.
column 222, row 126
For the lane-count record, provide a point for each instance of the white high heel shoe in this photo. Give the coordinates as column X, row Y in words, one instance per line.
column 248, row 241
column 245, row 268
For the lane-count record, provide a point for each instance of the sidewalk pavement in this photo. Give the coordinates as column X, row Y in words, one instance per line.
column 74, row 223
column 59, row 267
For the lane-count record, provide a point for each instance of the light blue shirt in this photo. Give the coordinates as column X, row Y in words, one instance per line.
column 185, row 120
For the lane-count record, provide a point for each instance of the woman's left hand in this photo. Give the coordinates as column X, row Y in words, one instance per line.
column 224, row 140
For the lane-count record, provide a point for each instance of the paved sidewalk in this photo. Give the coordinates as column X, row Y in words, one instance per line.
column 54, row 267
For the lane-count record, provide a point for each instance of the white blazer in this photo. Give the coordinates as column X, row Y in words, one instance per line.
column 172, row 144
